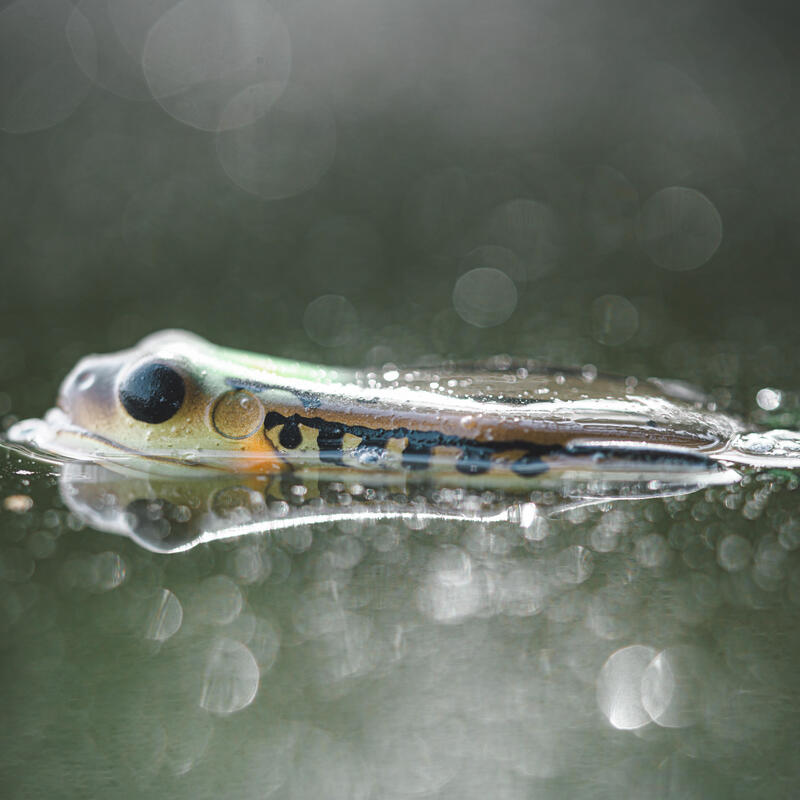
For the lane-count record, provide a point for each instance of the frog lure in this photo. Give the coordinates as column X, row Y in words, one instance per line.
column 175, row 403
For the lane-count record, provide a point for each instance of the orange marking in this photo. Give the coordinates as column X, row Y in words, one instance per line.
column 261, row 457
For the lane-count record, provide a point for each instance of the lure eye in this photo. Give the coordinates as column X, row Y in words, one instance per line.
column 152, row 393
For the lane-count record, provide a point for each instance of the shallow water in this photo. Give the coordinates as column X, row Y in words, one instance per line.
column 643, row 648
column 604, row 184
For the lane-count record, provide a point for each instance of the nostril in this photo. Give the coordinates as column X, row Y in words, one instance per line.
column 85, row 380
column 73, row 386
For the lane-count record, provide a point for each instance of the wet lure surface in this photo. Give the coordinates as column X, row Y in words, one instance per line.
column 176, row 403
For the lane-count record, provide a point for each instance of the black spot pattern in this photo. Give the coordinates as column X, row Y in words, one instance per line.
column 529, row 465
column 290, row 436
column 273, row 419
column 329, row 442
column 475, row 458
column 678, row 457
column 416, row 456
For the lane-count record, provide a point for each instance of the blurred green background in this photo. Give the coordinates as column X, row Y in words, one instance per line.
column 373, row 181
column 631, row 168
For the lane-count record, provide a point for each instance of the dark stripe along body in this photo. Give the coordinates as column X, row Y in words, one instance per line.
column 505, row 440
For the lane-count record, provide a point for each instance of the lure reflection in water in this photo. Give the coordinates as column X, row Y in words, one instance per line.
column 168, row 515
column 177, row 441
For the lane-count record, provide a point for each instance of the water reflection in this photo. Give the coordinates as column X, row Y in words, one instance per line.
column 576, row 648
column 166, row 515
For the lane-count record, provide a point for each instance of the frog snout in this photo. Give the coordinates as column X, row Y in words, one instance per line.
column 88, row 390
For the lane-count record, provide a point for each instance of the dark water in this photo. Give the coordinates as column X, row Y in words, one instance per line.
column 607, row 183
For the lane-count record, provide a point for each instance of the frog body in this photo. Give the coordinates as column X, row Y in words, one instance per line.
column 178, row 402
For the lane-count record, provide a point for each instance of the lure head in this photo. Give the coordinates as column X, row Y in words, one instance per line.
column 170, row 399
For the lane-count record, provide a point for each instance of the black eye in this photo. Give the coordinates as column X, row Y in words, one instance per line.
column 152, row 393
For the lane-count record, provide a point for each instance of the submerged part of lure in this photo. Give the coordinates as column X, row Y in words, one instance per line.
column 176, row 403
